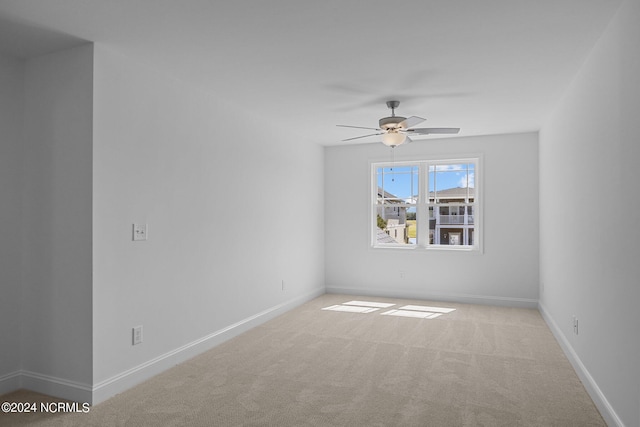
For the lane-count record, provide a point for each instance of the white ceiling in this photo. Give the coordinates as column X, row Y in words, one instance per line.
column 487, row 66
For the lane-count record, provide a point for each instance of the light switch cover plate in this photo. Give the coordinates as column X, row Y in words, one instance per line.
column 139, row 231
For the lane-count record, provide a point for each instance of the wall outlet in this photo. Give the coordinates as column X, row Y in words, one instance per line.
column 283, row 284
column 140, row 231
column 137, row 335
column 402, row 274
column 575, row 325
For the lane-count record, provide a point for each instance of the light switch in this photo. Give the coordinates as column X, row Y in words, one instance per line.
column 139, row 231
column 137, row 335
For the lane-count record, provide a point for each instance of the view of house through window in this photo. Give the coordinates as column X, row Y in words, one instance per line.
column 425, row 204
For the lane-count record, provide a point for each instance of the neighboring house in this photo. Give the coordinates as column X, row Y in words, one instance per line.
column 395, row 215
column 450, row 223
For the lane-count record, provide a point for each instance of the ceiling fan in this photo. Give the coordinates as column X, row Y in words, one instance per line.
column 395, row 130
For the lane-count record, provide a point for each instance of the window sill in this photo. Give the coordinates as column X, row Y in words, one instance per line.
column 432, row 248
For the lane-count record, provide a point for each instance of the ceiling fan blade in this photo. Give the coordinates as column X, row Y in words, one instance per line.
column 363, row 136
column 411, row 121
column 356, row 127
column 427, row 131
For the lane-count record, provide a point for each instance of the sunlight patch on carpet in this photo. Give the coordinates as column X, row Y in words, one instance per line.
column 415, row 311
column 369, row 304
column 351, row 308
column 427, row 308
column 409, row 313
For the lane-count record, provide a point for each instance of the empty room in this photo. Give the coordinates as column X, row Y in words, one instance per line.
column 420, row 213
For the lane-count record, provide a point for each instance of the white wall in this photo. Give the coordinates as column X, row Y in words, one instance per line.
column 590, row 216
column 507, row 271
column 56, row 252
column 11, row 101
column 234, row 207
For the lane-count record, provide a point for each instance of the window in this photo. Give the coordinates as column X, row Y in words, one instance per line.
column 426, row 204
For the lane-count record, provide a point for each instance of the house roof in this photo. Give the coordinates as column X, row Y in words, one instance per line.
column 382, row 237
column 454, row 193
column 448, row 193
column 388, row 196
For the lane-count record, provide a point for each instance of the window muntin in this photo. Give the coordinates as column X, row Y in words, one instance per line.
column 426, row 204
column 400, row 183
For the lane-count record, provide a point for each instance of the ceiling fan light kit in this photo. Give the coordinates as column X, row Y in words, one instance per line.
column 394, row 129
column 393, row 139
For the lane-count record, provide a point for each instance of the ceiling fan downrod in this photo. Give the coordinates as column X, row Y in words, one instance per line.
column 393, row 105
column 391, row 123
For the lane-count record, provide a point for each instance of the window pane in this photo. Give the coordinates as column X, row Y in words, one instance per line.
column 451, row 214
column 412, row 226
column 451, row 225
column 396, row 224
column 452, row 183
column 397, row 184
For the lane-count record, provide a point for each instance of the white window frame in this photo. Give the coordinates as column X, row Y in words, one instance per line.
column 423, row 204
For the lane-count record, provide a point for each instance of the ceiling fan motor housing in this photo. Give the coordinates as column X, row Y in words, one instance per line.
column 390, row 123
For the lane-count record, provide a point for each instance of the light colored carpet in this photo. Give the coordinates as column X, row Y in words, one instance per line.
column 476, row 366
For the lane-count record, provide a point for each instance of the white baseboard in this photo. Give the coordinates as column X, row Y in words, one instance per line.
column 445, row 297
column 601, row 402
column 127, row 379
column 58, row 387
column 45, row 384
column 99, row 392
column 9, row 382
